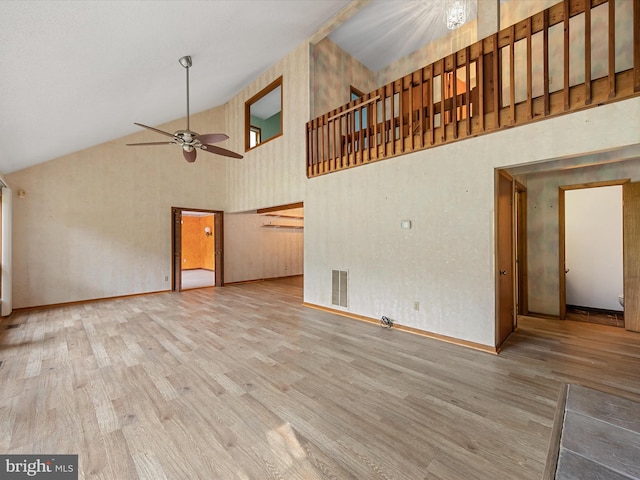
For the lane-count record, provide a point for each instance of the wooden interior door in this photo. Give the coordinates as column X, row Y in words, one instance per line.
column 176, row 248
column 505, row 306
column 631, row 254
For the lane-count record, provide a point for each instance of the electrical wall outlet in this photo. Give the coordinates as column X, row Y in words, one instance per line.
column 416, row 306
column 166, row 278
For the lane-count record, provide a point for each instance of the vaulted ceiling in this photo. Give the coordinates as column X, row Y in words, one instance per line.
column 77, row 73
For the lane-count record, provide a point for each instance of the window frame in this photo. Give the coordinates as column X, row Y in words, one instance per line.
column 247, row 114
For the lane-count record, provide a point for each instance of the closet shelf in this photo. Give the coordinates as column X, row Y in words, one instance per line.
column 293, row 227
column 278, row 215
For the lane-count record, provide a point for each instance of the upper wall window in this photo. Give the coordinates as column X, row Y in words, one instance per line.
column 263, row 115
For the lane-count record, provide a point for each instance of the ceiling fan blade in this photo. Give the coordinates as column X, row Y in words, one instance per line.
column 220, row 151
column 155, row 130
column 189, row 156
column 150, row 143
column 212, row 137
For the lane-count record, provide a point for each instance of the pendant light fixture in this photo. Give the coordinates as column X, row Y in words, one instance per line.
column 455, row 13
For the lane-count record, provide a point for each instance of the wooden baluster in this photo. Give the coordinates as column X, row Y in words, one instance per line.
column 545, row 61
column 355, row 137
column 496, row 81
column 428, row 86
column 512, row 74
column 454, row 96
column 364, row 119
column 313, row 146
column 566, row 55
column 417, row 109
column 374, row 123
column 480, row 85
column 636, row 45
column 423, row 104
column 587, row 52
column 309, row 154
column 367, row 125
column 336, row 142
column 612, row 48
column 321, row 144
column 316, row 155
column 327, row 142
column 342, row 139
column 443, row 122
column 467, row 65
column 361, row 134
column 397, row 88
column 327, row 139
column 392, row 115
column 409, row 93
column 385, row 128
column 529, row 72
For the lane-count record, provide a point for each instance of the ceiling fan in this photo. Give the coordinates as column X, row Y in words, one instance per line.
column 188, row 139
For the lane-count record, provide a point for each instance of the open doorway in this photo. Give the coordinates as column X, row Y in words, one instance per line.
column 591, row 253
column 197, row 246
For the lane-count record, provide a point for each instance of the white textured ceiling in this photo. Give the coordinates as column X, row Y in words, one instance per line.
column 385, row 31
column 77, row 73
column 74, row 74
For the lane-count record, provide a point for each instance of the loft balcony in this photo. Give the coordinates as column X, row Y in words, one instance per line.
column 577, row 54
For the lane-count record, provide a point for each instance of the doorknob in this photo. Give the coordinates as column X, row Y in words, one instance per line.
column 503, row 272
column 566, row 271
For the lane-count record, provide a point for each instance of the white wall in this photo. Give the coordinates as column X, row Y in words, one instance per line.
column 255, row 252
column 446, row 261
column 593, row 246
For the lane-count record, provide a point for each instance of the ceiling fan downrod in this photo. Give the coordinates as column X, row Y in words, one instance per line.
column 186, row 63
column 190, row 141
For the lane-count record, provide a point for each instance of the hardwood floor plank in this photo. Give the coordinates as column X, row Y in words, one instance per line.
column 244, row 383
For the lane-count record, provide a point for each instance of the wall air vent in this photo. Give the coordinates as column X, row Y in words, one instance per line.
column 339, row 288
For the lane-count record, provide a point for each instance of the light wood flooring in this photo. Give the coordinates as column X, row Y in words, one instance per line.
column 243, row 382
column 580, row 314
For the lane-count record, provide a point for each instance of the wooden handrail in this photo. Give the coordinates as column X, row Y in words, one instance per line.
column 355, row 107
column 434, row 106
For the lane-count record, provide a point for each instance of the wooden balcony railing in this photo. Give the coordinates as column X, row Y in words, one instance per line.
column 568, row 57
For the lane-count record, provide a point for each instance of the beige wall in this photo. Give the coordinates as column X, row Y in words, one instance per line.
column 334, row 73
column 446, row 260
column 116, row 200
column 273, row 173
column 97, row 223
column 270, row 175
column 256, row 252
column 543, row 224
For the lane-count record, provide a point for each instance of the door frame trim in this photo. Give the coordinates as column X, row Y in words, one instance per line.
column 219, row 267
column 521, row 262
